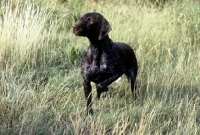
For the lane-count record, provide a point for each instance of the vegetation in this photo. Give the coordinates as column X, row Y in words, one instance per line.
column 41, row 88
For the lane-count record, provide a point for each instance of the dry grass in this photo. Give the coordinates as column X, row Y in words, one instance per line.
column 40, row 84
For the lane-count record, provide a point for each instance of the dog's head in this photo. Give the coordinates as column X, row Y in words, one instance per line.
column 91, row 24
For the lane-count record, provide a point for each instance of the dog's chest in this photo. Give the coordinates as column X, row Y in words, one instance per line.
column 99, row 65
column 106, row 62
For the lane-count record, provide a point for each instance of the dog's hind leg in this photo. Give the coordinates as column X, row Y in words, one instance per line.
column 100, row 90
column 132, row 81
column 131, row 76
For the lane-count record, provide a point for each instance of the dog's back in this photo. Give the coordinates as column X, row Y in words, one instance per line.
column 128, row 56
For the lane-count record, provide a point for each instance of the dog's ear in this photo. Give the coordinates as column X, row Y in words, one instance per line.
column 104, row 29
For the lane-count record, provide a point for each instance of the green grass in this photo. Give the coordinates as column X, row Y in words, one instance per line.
column 41, row 88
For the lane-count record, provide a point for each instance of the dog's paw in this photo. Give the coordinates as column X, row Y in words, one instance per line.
column 101, row 88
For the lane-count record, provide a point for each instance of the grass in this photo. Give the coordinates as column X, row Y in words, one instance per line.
column 41, row 88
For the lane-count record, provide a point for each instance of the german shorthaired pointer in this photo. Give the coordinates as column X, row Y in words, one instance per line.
column 105, row 61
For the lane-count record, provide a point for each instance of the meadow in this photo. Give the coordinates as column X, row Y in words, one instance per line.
column 41, row 89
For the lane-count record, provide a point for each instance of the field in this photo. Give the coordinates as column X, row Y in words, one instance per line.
column 41, row 89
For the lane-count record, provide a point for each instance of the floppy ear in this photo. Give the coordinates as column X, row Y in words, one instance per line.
column 104, row 29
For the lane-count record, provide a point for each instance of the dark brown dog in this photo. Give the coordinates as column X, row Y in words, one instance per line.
column 105, row 61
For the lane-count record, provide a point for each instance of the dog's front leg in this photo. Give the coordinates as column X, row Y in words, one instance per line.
column 102, row 87
column 88, row 96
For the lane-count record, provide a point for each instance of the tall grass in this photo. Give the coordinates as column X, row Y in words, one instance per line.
column 40, row 84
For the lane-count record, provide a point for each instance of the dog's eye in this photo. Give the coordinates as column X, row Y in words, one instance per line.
column 89, row 19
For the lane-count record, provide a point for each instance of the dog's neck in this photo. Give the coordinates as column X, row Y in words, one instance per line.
column 98, row 43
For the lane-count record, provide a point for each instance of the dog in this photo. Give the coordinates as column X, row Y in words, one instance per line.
column 105, row 61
